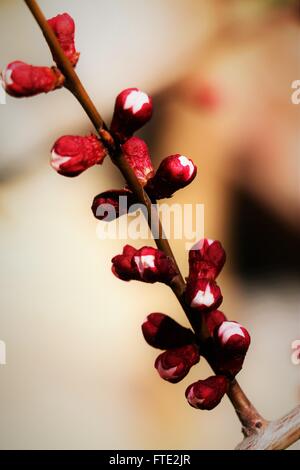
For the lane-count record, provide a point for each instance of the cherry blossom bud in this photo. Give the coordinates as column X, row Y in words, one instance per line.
column 232, row 341
column 173, row 365
column 162, row 332
column 233, row 337
column 206, row 259
column 72, row 154
column 111, row 204
column 64, row 28
column 22, row 80
column 213, row 320
column 123, row 266
column 136, row 152
column 147, row 264
column 133, row 108
column 174, row 172
column 203, row 294
column 207, row 394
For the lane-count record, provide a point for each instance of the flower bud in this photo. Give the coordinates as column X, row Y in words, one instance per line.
column 213, row 320
column 233, row 337
column 72, row 154
column 232, row 342
column 207, row 394
column 64, row 29
column 136, row 152
column 133, row 108
column 123, row 266
column 147, row 264
column 162, row 332
column 203, row 294
column 173, row 365
column 206, row 259
column 174, row 172
column 111, row 204
column 22, row 80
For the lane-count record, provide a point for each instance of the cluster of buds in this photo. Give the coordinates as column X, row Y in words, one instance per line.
column 22, row 80
column 70, row 155
column 228, row 341
column 132, row 109
column 225, row 343
column 181, row 353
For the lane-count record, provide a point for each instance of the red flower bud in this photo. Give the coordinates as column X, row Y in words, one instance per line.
column 232, row 341
column 72, row 154
column 206, row 259
column 173, row 365
column 136, row 153
column 162, row 332
column 203, row 294
column 213, row 319
column 207, row 394
column 233, row 337
column 123, row 266
column 111, row 204
column 146, row 264
column 64, row 28
column 20, row 79
column 174, row 172
column 133, row 108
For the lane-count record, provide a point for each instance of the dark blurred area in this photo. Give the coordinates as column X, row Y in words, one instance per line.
column 265, row 248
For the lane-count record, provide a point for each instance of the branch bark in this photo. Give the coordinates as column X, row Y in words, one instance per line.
column 253, row 425
column 276, row 435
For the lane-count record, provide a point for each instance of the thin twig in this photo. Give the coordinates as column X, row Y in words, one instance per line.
column 252, row 423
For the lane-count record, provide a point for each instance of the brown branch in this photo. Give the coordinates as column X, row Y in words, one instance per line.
column 249, row 417
column 276, row 435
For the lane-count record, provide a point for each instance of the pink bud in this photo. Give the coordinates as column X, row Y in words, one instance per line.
column 111, row 204
column 173, row 365
column 64, row 28
column 174, row 172
column 203, row 294
column 207, row 394
column 20, row 79
column 72, row 154
column 133, row 108
column 206, row 259
column 136, row 153
column 147, row 264
column 213, row 319
column 162, row 332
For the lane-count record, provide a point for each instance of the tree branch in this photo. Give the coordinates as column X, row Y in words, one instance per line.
column 277, row 435
column 249, row 417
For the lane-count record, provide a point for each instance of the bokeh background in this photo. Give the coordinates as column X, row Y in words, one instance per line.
column 79, row 374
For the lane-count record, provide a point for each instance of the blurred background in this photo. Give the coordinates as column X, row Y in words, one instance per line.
column 79, row 374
